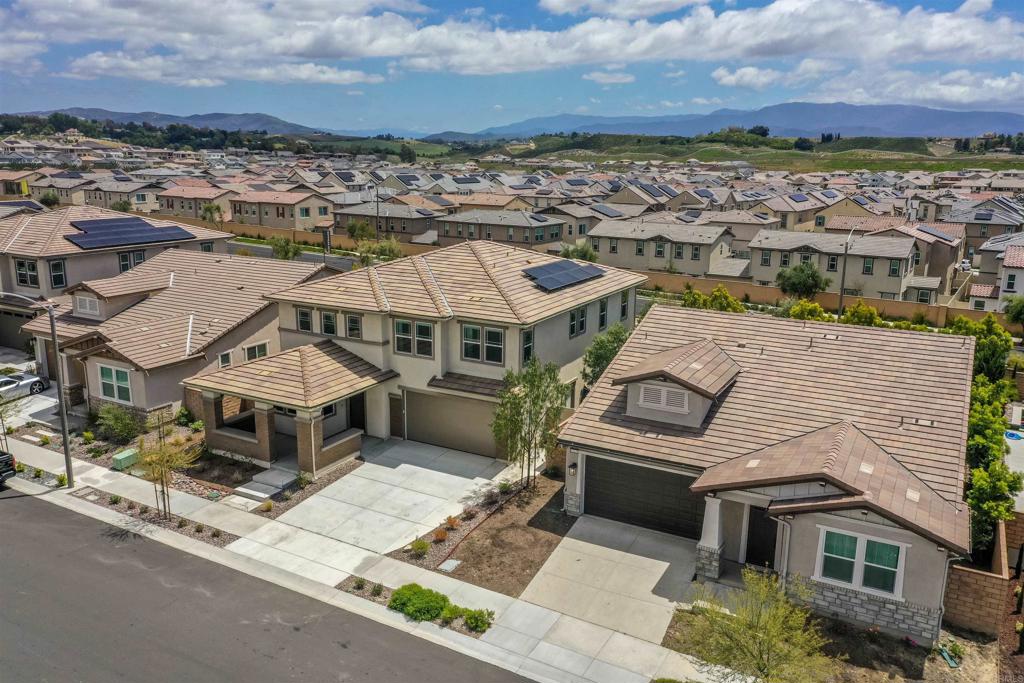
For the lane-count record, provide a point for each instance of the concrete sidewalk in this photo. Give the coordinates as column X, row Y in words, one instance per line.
column 531, row 640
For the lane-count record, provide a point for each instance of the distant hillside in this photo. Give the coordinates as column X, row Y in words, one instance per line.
column 243, row 122
column 791, row 119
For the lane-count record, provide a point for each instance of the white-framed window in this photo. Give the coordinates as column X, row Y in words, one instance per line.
column 115, row 384
column 924, row 296
column 87, row 305
column 805, row 257
column 673, row 399
column 602, row 313
column 526, row 337
column 304, row 319
column 255, row 351
column 206, row 247
column 494, row 345
column 784, row 259
column 678, row 251
column 766, row 257
column 613, row 246
column 303, row 212
column 403, row 336
column 414, row 338
column 577, row 321
column 979, row 304
column 129, row 259
column 329, row 323
column 27, row 271
column 224, row 359
column 866, row 563
column 486, row 344
column 638, row 245
column 424, row 339
column 695, row 252
column 140, row 197
column 329, row 410
column 833, row 263
column 659, row 250
column 58, row 276
column 353, row 327
column 869, row 265
column 595, row 244
column 894, row 267
column 1011, row 282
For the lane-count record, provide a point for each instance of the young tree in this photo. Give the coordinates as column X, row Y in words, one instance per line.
column 601, row 351
column 862, row 314
column 992, row 346
column 1014, row 311
column 802, row 281
column 122, row 205
column 360, row 230
column 761, row 131
column 529, row 410
column 763, row 637
column 406, row 154
column 809, row 310
column 803, row 144
column 284, row 248
column 49, row 199
column 580, row 252
column 212, row 213
column 991, row 498
column 385, row 250
column 721, row 300
column 159, row 462
column 986, row 421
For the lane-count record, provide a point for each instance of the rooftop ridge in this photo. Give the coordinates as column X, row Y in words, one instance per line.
column 379, row 295
column 836, row 445
column 430, row 284
column 475, row 248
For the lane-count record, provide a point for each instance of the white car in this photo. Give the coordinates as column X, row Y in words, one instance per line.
column 966, row 265
column 21, row 384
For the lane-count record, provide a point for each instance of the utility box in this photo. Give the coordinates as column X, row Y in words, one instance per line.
column 125, row 459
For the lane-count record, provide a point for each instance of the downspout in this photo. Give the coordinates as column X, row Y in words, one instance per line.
column 945, row 584
column 786, row 535
column 312, row 454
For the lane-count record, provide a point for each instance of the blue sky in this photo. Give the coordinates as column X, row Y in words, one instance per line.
column 432, row 65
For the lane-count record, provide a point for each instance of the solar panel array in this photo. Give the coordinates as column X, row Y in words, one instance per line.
column 441, row 201
column 425, row 212
column 408, row 178
column 577, row 181
column 651, row 189
column 562, row 274
column 706, row 194
column 537, row 217
column 831, row 194
column 860, row 200
column 607, row 211
column 983, row 216
column 668, row 190
column 798, row 198
column 927, row 229
column 101, row 233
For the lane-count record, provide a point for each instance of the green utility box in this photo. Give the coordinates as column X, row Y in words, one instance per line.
column 125, row 459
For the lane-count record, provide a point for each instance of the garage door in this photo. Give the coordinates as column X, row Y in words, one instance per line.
column 462, row 424
column 643, row 496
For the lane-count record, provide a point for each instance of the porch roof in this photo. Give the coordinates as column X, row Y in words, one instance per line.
column 305, row 377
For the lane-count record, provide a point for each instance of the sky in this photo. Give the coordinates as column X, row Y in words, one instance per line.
column 434, row 65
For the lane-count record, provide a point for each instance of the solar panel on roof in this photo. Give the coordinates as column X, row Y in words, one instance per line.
column 706, row 194
column 927, row 229
column 798, row 198
column 669, row 190
column 347, row 176
column 831, row 194
column 607, row 211
column 437, row 176
column 651, row 189
column 407, row 178
column 465, row 180
column 101, row 233
column 441, row 201
column 425, row 212
column 577, row 181
column 537, row 217
column 983, row 216
column 860, row 200
column 561, row 274
column 521, row 187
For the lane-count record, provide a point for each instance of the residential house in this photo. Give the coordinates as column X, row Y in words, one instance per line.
column 187, row 201
column 42, row 254
column 670, row 246
column 69, row 190
column 940, row 249
column 522, row 228
column 489, row 201
column 16, row 183
column 581, row 216
column 404, row 222
column 833, row 453
column 798, row 208
column 657, row 197
column 141, row 195
column 984, row 222
column 293, row 210
column 415, row 348
column 129, row 340
column 1000, row 273
column 875, row 267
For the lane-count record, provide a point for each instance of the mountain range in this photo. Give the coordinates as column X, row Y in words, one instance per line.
column 791, row 119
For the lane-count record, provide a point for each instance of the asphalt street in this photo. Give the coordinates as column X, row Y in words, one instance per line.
column 84, row 601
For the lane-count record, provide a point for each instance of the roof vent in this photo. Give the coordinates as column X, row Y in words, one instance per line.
column 913, row 495
column 753, row 463
column 867, row 468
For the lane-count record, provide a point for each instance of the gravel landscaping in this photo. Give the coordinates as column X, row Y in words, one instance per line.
column 381, row 595
column 289, row 499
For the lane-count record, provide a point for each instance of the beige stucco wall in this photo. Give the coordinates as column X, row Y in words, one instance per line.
column 626, row 257
column 873, row 285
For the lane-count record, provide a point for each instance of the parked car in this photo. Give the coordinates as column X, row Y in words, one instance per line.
column 22, row 384
column 966, row 265
column 7, row 467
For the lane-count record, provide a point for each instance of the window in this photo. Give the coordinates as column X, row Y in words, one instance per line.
column 979, row 304
column 1011, row 282
column 58, row 278
column 224, row 360
column 805, row 258
column 924, row 296
column 695, row 252
column 869, row 266
column 538, row 234
column 494, row 346
column 255, row 351
column 613, row 246
column 471, row 342
column 916, row 258
column 664, row 398
column 861, row 561
column 639, row 247
column 424, row 339
column 329, row 410
column 403, row 336
column 304, row 319
column 206, row 246
column 129, row 259
column 140, row 196
column 784, row 260
column 766, row 258
column 28, row 274
column 303, row 212
column 984, row 231
column 329, row 323
column 819, row 221
column 894, row 267
column 582, row 229
column 602, row 313
column 833, row 263
column 511, row 235
column 115, row 385
column 87, row 305
column 322, row 211
column 848, row 291
column 623, row 306
column 526, row 336
column 595, row 244
column 577, row 321
column 659, row 250
column 353, row 327
column 678, row 251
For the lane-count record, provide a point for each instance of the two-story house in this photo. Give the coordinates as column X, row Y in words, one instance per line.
column 415, row 348
column 522, row 228
column 292, row 210
column 141, row 195
column 404, row 222
column 188, row 201
column 649, row 245
column 940, row 249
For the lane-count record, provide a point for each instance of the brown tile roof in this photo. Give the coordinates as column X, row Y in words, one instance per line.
column 1013, row 257
column 985, row 291
column 42, row 234
column 862, row 223
column 467, row 383
column 194, row 192
column 908, row 391
column 844, row 456
column 270, row 197
column 306, row 377
column 478, row 280
column 701, row 366
column 209, row 293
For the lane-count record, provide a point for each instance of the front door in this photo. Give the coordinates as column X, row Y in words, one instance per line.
column 397, row 416
column 357, row 412
column 761, row 534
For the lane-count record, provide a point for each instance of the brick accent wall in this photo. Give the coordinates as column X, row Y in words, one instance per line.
column 193, row 400
column 709, row 562
column 897, row 618
column 339, row 451
column 976, row 600
column 1014, row 534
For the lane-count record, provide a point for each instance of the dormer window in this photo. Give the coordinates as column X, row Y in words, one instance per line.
column 672, row 399
column 87, row 305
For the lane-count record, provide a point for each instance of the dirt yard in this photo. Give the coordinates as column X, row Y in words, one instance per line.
column 505, row 552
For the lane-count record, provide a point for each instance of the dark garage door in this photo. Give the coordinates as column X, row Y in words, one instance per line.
column 646, row 497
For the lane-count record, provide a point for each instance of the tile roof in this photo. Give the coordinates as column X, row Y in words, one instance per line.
column 270, row 197
column 194, row 192
column 303, row 377
column 908, row 391
column 703, row 367
column 985, row 291
column 638, row 229
column 833, row 243
column 479, row 279
column 42, row 234
column 1013, row 257
column 470, row 384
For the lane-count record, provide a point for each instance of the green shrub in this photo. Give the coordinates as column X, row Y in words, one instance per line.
column 359, row 584
column 199, row 528
column 88, row 437
column 183, row 418
column 377, row 590
column 955, row 649
column 418, row 603
column 44, row 440
column 10, row 430
column 266, row 506
column 451, row 613
column 37, row 473
column 215, row 533
column 116, row 424
column 419, row 547
column 62, row 479
column 8, row 370
column 182, row 522
column 143, row 509
column 19, row 467
column 478, row 620
column 303, row 480
column 114, row 499
column 196, row 426
column 504, row 487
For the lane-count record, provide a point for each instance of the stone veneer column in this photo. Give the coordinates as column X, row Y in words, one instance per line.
column 309, row 437
column 709, row 548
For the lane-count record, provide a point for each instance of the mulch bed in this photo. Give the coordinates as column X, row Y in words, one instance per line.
column 472, row 517
column 1011, row 663
column 349, row 586
column 148, row 514
column 289, row 499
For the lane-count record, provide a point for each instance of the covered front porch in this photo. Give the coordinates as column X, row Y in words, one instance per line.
column 304, row 409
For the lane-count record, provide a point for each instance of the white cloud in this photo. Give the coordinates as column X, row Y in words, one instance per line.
column 746, row 77
column 669, row 104
column 609, row 77
column 354, row 93
column 958, row 89
column 705, row 101
column 497, row 107
column 617, row 8
column 675, row 74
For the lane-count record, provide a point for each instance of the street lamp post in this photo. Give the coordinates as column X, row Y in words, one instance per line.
column 842, row 276
column 60, row 381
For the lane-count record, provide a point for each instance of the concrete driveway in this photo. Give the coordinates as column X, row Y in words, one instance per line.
column 402, row 491
column 623, row 577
